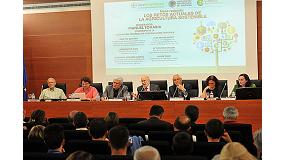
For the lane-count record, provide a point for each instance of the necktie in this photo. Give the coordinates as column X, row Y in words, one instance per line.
column 145, row 89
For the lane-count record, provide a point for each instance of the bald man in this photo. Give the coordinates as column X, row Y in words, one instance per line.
column 52, row 92
column 146, row 86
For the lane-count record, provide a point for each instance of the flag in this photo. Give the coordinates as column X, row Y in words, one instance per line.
column 25, row 95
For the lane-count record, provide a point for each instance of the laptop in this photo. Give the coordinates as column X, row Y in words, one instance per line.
column 79, row 95
column 249, row 93
column 152, row 95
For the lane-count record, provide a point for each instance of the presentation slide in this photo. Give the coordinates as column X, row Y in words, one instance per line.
column 175, row 36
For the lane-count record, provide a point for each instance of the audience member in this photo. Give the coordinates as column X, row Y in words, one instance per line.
column 78, row 155
column 71, row 115
column 52, row 92
column 54, row 138
column 98, row 130
column 147, row 153
column 182, row 143
column 178, row 89
column 182, row 123
column 214, row 130
column 37, row 132
column 243, row 81
column 257, row 137
column 230, row 115
column 154, row 122
column 193, row 113
column 90, row 92
column 235, row 151
column 111, row 119
column 119, row 140
column 80, row 121
column 38, row 117
column 116, row 90
column 213, row 86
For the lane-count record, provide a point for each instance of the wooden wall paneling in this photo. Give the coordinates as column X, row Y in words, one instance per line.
column 259, row 37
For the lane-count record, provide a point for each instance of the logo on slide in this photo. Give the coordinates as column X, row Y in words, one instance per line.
column 172, row 3
column 215, row 37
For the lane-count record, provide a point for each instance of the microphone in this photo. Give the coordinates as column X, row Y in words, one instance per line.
column 174, row 92
column 120, row 91
column 223, row 90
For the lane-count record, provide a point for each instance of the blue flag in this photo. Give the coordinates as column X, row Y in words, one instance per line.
column 25, row 95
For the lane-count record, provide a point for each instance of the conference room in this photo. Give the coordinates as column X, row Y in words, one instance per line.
column 110, row 47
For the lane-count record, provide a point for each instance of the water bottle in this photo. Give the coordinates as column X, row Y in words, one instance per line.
column 33, row 96
column 233, row 94
column 97, row 98
column 211, row 95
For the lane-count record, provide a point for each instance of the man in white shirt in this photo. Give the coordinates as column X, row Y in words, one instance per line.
column 52, row 92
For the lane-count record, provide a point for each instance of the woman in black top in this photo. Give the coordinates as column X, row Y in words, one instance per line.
column 213, row 85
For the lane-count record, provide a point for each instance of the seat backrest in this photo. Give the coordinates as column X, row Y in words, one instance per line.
column 194, row 92
column 43, row 156
column 58, row 120
column 34, row 146
column 161, row 136
column 76, row 135
column 58, row 85
column 163, row 147
column 223, row 83
column 208, row 149
column 128, row 84
column 183, row 157
column 91, row 146
column 161, row 83
column 99, row 87
column 245, row 131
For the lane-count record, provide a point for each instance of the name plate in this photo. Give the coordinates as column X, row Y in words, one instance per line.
column 176, row 99
column 115, row 99
column 73, row 100
column 196, row 99
column 228, row 98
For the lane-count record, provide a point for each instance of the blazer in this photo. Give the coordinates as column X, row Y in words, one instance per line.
column 109, row 92
column 153, row 87
column 178, row 92
column 153, row 124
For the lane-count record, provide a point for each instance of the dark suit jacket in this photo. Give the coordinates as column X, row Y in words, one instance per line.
column 153, row 124
column 178, row 92
column 153, row 87
column 123, row 91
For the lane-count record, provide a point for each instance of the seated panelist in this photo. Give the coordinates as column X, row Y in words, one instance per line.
column 178, row 89
column 90, row 92
column 115, row 90
column 52, row 92
column 243, row 81
column 213, row 86
column 146, row 86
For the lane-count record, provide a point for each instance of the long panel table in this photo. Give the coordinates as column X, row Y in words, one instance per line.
column 250, row 111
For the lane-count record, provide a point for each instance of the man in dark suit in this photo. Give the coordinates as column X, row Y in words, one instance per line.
column 178, row 89
column 146, row 86
column 116, row 90
column 154, row 123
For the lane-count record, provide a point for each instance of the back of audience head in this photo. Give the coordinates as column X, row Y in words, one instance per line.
column 37, row 132
column 38, row 117
column 257, row 137
column 80, row 120
column 230, row 113
column 182, row 123
column 111, row 119
column 98, row 129
column 71, row 115
column 146, row 153
column 80, row 155
column 156, row 110
column 118, row 139
column 54, row 136
column 182, row 143
column 192, row 112
column 214, row 129
column 235, row 151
